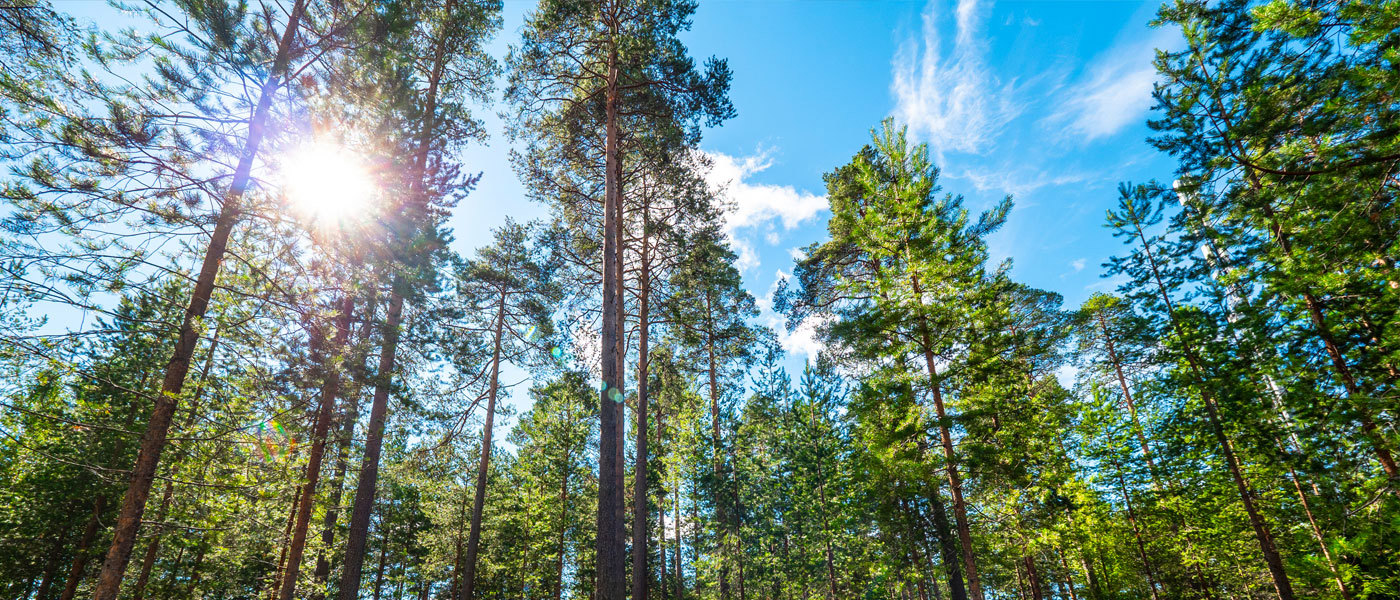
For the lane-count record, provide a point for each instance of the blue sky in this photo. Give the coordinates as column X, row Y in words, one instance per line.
column 1046, row 101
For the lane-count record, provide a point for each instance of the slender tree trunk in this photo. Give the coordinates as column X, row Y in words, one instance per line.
column 641, row 575
column 1095, row 592
column 1020, row 583
column 947, row 544
column 383, row 554
column 81, row 555
column 286, row 537
column 330, row 389
column 662, row 590
column 195, row 573
column 563, row 526
column 153, row 441
column 611, row 552
column 457, row 557
column 954, row 479
column 1272, row 560
column 363, row 506
column 484, row 467
column 1339, row 363
column 1069, row 575
column 153, row 547
column 1034, row 577
column 1316, row 530
column 414, row 210
column 347, row 435
column 721, row 514
column 738, row 529
column 680, row 549
column 1127, row 394
column 51, row 565
column 826, row 535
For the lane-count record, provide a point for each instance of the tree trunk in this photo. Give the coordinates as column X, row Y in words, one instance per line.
column 347, row 435
column 611, row 559
column 330, row 388
column 286, row 536
column 195, row 573
column 563, row 526
column 153, row 441
column 721, row 514
column 383, row 554
column 1069, row 576
column 358, row 534
column 1127, row 395
column 1095, row 592
column 51, row 565
column 153, row 547
column 1034, row 577
column 954, row 479
column 415, row 208
column 1272, row 560
column 947, row 544
column 680, row 548
column 484, row 466
column 81, row 555
column 641, row 575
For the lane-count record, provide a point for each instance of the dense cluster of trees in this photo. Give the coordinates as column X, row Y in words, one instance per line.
column 211, row 391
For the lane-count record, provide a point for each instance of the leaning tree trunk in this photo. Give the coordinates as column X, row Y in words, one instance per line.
column 81, row 556
column 153, row 441
column 415, row 210
column 947, row 543
column 55, row 557
column 347, row 433
column 974, row 583
column 358, row 535
column 1265, row 538
column 484, row 466
column 1137, row 536
column 330, row 388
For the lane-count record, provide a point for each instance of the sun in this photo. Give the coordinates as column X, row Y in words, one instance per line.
column 326, row 182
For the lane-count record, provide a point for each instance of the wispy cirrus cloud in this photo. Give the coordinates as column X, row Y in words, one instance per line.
column 947, row 93
column 1115, row 90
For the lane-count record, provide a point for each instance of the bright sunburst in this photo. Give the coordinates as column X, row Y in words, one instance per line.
column 326, row 182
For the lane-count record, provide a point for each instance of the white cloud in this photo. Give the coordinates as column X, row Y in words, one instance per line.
column 748, row 259
column 948, row 96
column 797, row 253
column 757, row 204
column 1115, row 91
column 1017, row 181
column 800, row 340
column 1077, row 264
column 1067, row 374
column 754, row 205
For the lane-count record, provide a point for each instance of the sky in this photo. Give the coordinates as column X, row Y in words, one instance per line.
column 1043, row 101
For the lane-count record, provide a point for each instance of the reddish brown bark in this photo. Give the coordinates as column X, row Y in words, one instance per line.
column 330, row 390
column 153, row 441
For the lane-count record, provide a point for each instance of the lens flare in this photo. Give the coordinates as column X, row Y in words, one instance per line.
column 326, row 183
